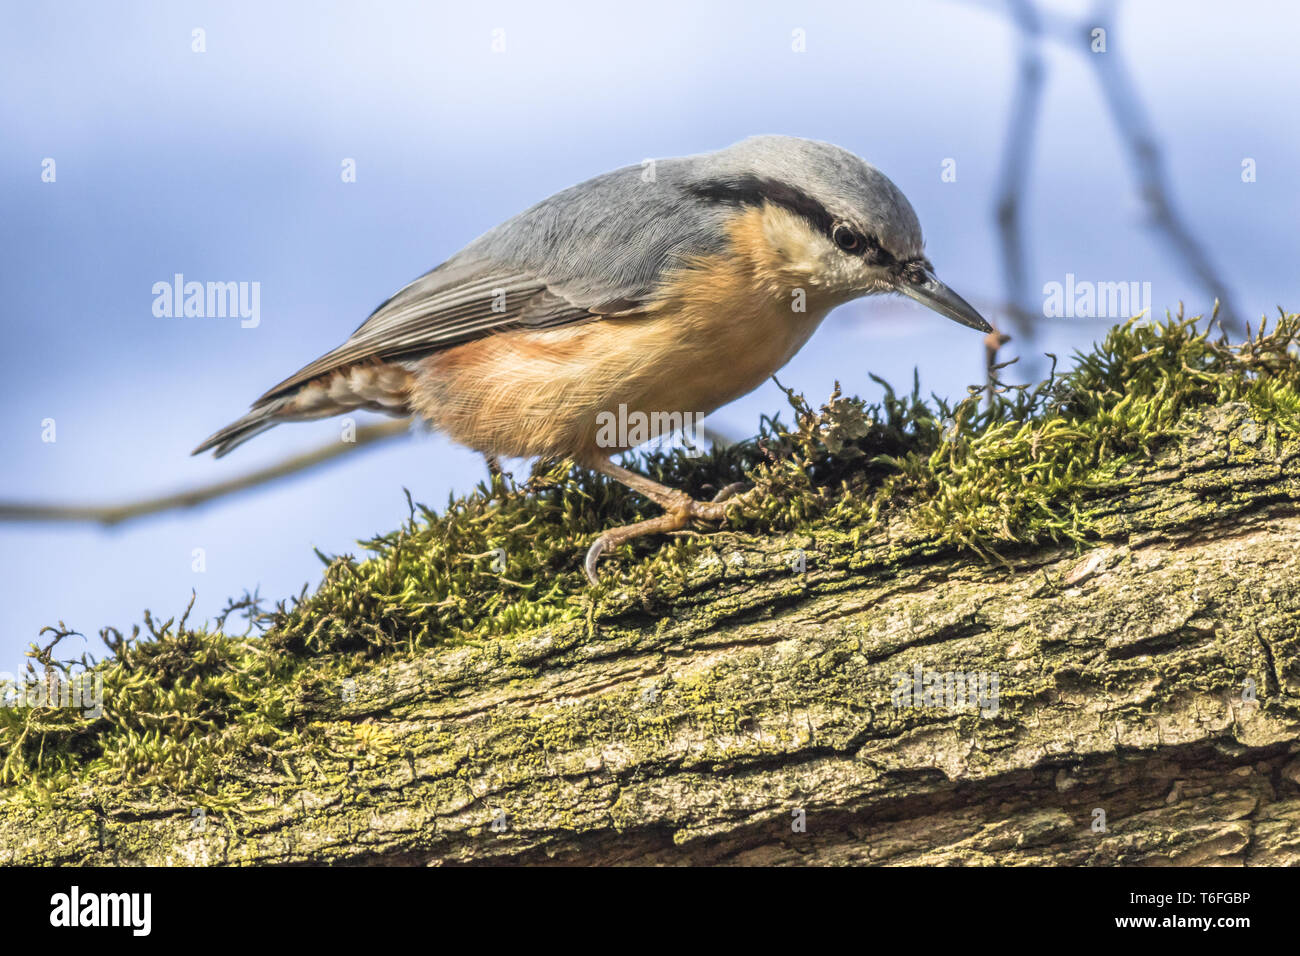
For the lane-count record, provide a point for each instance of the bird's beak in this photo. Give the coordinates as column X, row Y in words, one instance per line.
column 929, row 291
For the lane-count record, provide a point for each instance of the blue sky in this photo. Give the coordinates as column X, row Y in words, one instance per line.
column 225, row 166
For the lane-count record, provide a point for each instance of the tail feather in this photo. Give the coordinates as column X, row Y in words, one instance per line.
column 258, row 420
column 380, row 388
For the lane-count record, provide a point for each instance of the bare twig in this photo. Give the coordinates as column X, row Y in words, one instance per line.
column 1135, row 127
column 1015, row 171
column 116, row 514
column 992, row 342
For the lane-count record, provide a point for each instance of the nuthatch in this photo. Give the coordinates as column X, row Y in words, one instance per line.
column 668, row 289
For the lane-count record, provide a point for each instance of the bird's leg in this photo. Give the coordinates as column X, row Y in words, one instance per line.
column 679, row 509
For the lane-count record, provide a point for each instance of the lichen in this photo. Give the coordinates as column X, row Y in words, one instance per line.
column 1004, row 467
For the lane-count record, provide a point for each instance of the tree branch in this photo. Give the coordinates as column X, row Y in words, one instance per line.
column 367, row 435
column 1147, row 711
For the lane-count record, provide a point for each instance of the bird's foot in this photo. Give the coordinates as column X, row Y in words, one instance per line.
column 676, row 516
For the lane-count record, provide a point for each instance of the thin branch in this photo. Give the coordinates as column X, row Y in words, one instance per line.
column 1016, row 157
column 1135, row 127
column 116, row 514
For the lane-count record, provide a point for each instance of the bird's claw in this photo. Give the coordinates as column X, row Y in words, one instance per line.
column 593, row 555
column 673, row 519
column 729, row 491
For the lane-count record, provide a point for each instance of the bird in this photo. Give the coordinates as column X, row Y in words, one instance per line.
column 666, row 288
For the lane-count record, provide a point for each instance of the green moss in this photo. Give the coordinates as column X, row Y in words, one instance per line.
column 1003, row 467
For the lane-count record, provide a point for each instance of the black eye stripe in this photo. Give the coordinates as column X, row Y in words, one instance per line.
column 863, row 244
column 754, row 191
column 878, row 255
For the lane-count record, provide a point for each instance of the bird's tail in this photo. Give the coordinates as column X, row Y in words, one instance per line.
column 258, row 420
column 376, row 387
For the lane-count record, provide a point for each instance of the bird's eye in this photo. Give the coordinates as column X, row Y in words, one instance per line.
column 847, row 239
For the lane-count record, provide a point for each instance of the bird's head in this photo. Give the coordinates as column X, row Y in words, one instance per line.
column 826, row 220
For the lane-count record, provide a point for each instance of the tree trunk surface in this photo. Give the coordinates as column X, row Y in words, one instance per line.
column 1146, row 710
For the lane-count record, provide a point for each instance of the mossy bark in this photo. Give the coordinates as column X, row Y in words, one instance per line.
column 1148, row 710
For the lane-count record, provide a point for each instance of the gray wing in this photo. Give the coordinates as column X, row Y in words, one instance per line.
column 593, row 250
